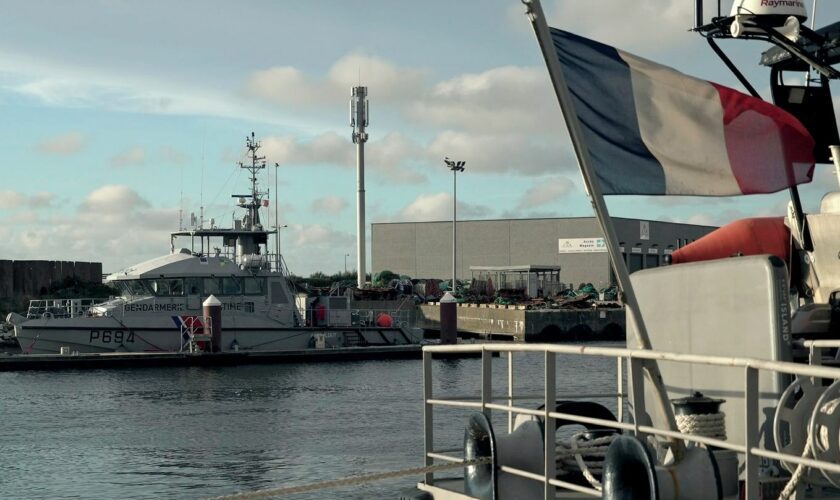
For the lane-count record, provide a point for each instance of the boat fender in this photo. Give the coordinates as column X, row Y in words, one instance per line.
column 631, row 473
column 521, row 449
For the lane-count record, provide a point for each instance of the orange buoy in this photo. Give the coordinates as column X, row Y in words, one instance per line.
column 384, row 320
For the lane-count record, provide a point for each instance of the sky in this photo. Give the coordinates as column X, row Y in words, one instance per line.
column 116, row 116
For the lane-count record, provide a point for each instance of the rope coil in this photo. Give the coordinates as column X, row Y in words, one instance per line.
column 583, row 455
column 711, row 425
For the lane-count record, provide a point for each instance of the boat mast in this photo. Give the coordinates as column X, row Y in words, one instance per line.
column 257, row 163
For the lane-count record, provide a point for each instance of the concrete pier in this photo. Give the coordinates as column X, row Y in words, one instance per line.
column 531, row 325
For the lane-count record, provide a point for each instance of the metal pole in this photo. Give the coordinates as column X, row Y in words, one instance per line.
column 543, row 34
column 277, row 217
column 454, row 227
column 359, row 122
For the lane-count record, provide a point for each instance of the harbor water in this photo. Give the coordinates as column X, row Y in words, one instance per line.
column 201, row 432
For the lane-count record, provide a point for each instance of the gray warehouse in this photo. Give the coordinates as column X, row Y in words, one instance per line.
column 424, row 249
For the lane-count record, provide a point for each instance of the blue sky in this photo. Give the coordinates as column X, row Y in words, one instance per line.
column 110, row 110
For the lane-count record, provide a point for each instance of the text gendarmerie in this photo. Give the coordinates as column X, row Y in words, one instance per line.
column 154, row 307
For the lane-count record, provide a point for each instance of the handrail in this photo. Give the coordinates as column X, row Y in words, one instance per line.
column 615, row 352
column 749, row 447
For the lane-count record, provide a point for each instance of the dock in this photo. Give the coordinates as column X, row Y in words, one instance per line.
column 111, row 360
column 524, row 324
column 20, row 362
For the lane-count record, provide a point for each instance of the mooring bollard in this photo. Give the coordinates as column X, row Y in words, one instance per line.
column 213, row 318
column 448, row 319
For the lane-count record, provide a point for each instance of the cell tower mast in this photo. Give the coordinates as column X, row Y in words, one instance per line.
column 359, row 120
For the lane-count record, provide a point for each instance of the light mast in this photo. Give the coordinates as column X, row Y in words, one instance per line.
column 359, row 120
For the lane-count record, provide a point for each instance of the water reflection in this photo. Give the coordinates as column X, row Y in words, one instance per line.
column 198, row 432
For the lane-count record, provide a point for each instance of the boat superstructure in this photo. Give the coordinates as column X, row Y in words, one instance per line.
column 757, row 332
column 159, row 308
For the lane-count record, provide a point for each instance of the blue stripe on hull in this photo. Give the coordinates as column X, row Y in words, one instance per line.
column 602, row 92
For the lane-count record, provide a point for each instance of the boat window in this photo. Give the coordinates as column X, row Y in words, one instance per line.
column 122, row 287
column 212, row 286
column 176, row 286
column 253, row 286
column 135, row 287
column 192, row 286
column 230, row 286
column 159, row 287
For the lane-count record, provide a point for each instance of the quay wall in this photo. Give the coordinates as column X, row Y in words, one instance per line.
column 531, row 325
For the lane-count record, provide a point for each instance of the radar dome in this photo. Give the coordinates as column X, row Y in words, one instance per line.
column 771, row 8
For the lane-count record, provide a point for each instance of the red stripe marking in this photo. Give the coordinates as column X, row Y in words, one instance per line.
column 769, row 149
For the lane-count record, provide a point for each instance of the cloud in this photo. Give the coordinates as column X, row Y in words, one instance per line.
column 328, row 148
column 644, row 25
column 134, row 156
column 505, row 99
column 391, row 156
column 329, row 204
column 310, row 248
column 545, row 192
column 13, row 200
column 113, row 224
column 58, row 83
column 62, row 144
column 506, row 153
column 288, row 86
column 112, row 199
column 437, row 207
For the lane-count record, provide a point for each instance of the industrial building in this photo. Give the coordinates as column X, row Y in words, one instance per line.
column 576, row 244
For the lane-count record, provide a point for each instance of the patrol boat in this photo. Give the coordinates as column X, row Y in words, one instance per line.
column 160, row 304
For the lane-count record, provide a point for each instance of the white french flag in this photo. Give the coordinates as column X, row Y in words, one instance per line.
column 652, row 130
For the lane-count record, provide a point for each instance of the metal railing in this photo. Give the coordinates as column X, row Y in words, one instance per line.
column 750, row 450
column 60, row 308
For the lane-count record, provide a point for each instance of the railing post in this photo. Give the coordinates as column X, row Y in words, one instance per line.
column 550, row 425
column 428, row 415
column 637, row 392
column 486, row 381
column 619, row 369
column 815, row 356
column 510, row 389
column 751, row 434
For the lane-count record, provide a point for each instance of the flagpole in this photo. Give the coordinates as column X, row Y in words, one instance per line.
column 537, row 17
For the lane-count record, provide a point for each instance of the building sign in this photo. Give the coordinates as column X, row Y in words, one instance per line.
column 636, row 250
column 653, row 250
column 644, row 230
column 582, row 245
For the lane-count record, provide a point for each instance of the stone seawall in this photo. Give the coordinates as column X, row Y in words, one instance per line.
column 531, row 325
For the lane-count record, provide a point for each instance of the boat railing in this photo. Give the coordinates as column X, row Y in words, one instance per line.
column 359, row 318
column 750, row 450
column 60, row 308
column 369, row 318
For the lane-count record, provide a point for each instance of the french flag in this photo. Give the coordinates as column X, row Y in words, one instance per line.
column 652, row 130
